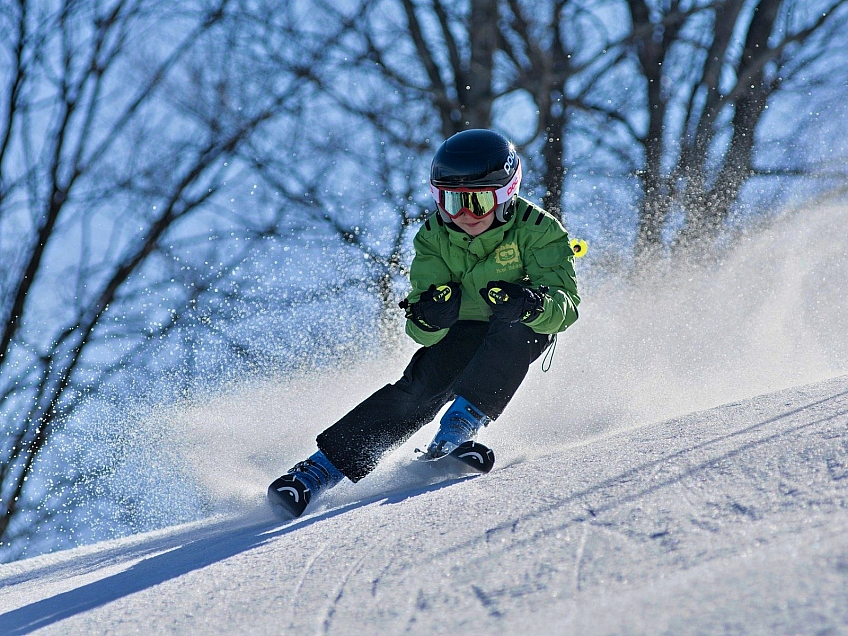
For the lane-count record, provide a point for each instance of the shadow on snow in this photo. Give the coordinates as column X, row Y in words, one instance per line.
column 173, row 556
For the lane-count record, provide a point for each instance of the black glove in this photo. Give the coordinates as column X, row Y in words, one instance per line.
column 511, row 302
column 438, row 307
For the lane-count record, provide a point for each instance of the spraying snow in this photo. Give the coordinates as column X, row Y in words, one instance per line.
column 768, row 314
column 731, row 521
column 765, row 314
column 602, row 516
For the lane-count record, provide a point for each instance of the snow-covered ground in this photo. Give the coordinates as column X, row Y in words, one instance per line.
column 683, row 469
column 732, row 520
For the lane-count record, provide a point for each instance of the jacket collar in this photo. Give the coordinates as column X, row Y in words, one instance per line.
column 482, row 244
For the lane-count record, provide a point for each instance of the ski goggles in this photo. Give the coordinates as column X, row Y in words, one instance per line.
column 479, row 202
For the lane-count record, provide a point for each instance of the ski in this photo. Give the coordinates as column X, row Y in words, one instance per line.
column 476, row 456
column 288, row 497
column 468, row 457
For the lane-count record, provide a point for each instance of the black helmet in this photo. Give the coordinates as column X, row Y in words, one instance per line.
column 477, row 159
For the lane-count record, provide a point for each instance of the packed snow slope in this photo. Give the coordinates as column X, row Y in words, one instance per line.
column 682, row 469
column 732, row 520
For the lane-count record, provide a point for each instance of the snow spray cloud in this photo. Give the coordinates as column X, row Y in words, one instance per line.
column 768, row 314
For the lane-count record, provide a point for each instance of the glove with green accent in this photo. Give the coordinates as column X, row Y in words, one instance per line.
column 511, row 302
column 438, row 307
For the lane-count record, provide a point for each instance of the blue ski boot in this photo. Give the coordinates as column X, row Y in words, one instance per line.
column 459, row 425
column 290, row 494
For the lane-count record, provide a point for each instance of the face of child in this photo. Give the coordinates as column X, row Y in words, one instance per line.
column 473, row 225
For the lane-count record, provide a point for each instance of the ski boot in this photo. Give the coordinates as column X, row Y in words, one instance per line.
column 455, row 438
column 290, row 494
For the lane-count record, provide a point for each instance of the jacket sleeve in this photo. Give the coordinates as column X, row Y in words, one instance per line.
column 428, row 268
column 550, row 262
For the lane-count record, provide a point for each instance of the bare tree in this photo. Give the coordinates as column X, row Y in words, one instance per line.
column 676, row 93
column 473, row 54
column 403, row 76
column 120, row 129
column 710, row 71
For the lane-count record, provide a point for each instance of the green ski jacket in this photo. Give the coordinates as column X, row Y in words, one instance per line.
column 531, row 248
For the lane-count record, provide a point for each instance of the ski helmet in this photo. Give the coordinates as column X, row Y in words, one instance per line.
column 477, row 171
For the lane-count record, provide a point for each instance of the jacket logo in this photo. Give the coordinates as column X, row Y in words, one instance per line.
column 507, row 254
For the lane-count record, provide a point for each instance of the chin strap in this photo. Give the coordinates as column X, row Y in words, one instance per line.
column 504, row 211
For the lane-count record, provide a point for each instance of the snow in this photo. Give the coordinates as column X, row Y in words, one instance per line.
column 683, row 469
column 730, row 520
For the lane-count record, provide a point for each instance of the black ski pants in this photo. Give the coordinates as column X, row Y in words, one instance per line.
column 484, row 362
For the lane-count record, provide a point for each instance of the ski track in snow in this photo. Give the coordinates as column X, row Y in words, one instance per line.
column 732, row 520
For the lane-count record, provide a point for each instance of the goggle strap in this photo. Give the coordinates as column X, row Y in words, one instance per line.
column 502, row 195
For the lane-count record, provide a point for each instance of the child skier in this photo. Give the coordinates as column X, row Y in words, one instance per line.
column 492, row 279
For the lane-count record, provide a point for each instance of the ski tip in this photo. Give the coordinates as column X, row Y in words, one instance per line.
column 476, row 456
column 288, row 497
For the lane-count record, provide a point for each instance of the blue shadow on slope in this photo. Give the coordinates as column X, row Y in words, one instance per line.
column 174, row 556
